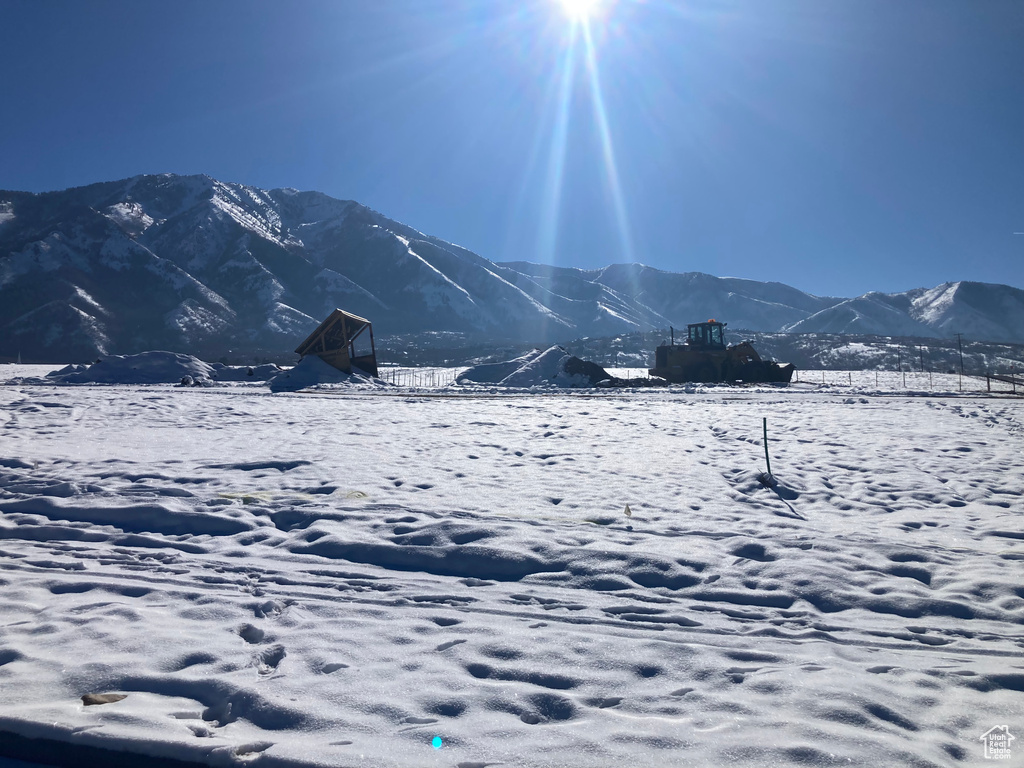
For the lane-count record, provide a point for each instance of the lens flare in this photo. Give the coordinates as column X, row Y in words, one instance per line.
column 580, row 10
column 556, row 162
column 607, row 147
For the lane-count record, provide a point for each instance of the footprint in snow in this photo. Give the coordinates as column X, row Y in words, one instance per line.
column 604, row 703
column 253, row 749
column 267, row 661
column 251, row 634
column 271, row 609
column 419, row 720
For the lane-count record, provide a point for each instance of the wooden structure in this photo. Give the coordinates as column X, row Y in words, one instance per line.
column 334, row 342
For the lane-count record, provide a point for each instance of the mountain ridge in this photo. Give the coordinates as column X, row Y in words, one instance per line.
column 190, row 263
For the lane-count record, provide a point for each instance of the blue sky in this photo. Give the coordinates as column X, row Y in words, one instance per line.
column 840, row 146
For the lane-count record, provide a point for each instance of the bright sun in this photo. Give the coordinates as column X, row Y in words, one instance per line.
column 580, row 10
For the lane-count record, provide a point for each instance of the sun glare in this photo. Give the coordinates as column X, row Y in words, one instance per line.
column 580, row 10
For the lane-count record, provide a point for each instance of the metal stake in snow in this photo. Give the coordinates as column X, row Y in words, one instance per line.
column 764, row 423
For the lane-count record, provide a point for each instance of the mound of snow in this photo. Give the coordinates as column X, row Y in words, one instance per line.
column 263, row 372
column 542, row 369
column 494, row 373
column 552, row 367
column 312, row 371
column 144, row 368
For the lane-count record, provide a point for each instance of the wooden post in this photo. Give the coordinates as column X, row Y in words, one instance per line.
column 767, row 461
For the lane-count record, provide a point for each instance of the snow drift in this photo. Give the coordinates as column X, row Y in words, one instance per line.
column 314, row 372
column 144, row 368
column 263, row 372
column 554, row 367
column 158, row 367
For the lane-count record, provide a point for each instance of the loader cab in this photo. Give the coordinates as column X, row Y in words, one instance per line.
column 708, row 335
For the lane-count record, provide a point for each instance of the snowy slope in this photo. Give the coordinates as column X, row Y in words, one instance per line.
column 190, row 263
column 84, row 285
column 981, row 311
column 873, row 313
column 388, row 570
column 742, row 303
column 273, row 263
column 977, row 310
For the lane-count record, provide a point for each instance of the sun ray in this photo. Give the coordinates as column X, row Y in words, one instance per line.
column 607, row 148
column 552, row 199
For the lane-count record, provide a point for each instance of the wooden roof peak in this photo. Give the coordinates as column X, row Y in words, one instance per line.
column 353, row 327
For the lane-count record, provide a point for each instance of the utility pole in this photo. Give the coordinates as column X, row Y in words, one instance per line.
column 960, row 346
column 921, row 348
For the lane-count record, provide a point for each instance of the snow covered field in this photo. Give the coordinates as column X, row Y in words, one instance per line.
column 335, row 579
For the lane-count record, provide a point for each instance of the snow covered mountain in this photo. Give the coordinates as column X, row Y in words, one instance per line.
column 189, row 263
column 680, row 298
column 977, row 310
column 194, row 263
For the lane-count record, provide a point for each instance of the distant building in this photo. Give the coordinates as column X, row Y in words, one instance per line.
column 340, row 341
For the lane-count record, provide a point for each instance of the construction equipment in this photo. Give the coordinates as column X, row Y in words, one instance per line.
column 704, row 357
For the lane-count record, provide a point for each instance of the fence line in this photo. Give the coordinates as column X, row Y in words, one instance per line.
column 434, row 378
column 1012, row 380
column 916, row 380
column 409, row 377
